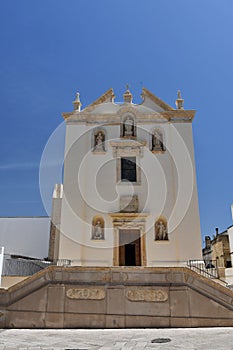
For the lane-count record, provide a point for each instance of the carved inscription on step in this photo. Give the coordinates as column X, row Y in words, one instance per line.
column 84, row 293
column 147, row 295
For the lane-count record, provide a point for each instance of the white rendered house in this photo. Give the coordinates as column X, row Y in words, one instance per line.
column 129, row 189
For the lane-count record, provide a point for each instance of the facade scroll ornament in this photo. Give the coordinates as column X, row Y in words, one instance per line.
column 85, row 293
column 147, row 295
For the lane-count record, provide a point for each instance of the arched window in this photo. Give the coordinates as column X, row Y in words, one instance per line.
column 157, row 140
column 97, row 228
column 161, row 233
column 98, row 140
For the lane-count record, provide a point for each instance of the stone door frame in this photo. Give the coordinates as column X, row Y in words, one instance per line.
column 129, row 221
column 136, row 243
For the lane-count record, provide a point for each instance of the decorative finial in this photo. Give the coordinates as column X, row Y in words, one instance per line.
column 128, row 97
column 179, row 101
column 77, row 103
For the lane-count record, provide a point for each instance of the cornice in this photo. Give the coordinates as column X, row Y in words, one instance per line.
column 115, row 118
column 179, row 115
column 128, row 215
column 128, row 143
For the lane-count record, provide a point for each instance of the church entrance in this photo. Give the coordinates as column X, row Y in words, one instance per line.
column 129, row 247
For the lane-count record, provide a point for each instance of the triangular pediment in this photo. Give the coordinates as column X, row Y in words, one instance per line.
column 154, row 102
column 149, row 100
column 152, row 107
column 108, row 96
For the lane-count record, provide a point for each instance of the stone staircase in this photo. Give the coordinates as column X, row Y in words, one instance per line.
column 116, row 297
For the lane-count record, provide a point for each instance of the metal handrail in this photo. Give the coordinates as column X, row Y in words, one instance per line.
column 207, row 268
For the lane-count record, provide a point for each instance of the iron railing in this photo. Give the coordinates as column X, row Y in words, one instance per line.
column 207, row 268
column 23, row 267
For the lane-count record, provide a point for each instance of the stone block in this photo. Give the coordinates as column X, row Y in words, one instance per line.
column 142, row 278
column 87, row 302
column 210, row 322
column 180, row 322
column 203, row 306
column 74, row 320
column 179, row 302
column 3, row 318
column 85, row 306
column 116, row 301
column 129, row 204
column 36, row 301
column 56, row 297
column 146, row 322
column 25, row 319
column 54, row 320
column 143, row 306
column 115, row 321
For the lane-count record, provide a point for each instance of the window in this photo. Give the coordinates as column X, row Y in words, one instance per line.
column 129, row 169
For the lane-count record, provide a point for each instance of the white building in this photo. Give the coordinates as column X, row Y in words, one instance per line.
column 230, row 234
column 129, row 190
column 24, row 240
column 229, row 271
column 25, row 236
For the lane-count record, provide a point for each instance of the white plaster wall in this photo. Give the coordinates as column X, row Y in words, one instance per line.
column 1, row 263
column 163, row 181
column 230, row 234
column 27, row 236
column 229, row 271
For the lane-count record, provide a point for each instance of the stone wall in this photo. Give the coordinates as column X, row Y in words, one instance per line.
column 221, row 251
column 119, row 297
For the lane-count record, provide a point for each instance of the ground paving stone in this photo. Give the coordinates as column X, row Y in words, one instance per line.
column 141, row 345
column 120, row 339
column 119, row 345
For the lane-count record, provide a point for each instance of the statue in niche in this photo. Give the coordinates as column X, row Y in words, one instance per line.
column 157, row 141
column 99, row 141
column 161, row 231
column 128, row 127
column 97, row 231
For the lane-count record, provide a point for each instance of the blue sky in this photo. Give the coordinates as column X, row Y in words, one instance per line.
column 51, row 48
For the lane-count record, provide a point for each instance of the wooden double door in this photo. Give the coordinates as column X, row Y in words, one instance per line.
column 129, row 247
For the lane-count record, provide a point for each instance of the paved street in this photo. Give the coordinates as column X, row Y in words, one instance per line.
column 125, row 339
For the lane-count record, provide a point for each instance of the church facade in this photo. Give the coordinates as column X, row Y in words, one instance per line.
column 129, row 193
column 124, row 223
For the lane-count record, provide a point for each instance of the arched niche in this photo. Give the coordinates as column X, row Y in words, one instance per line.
column 160, row 229
column 99, row 140
column 157, row 142
column 128, row 126
column 97, row 228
